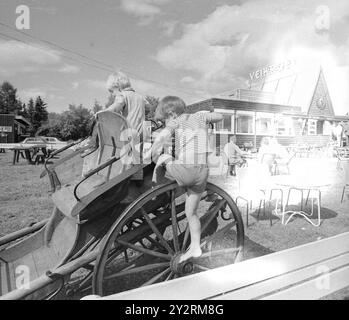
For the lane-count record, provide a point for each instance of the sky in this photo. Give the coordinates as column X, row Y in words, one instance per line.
column 195, row 49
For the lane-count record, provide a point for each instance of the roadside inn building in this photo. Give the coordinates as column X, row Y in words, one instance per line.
column 295, row 109
column 13, row 128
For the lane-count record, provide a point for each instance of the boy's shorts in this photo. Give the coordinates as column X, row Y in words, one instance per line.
column 193, row 177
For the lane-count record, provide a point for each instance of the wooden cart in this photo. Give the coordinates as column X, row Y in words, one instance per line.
column 109, row 233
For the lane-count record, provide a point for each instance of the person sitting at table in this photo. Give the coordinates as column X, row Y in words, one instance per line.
column 266, row 155
column 234, row 155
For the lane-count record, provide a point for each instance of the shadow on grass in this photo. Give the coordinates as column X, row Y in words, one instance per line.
column 253, row 249
column 325, row 213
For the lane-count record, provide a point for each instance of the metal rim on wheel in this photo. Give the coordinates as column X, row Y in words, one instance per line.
column 146, row 243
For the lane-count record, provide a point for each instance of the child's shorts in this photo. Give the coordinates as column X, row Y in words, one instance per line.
column 193, row 177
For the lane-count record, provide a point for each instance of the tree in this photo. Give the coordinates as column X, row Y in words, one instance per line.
column 37, row 114
column 96, row 107
column 76, row 123
column 53, row 126
column 150, row 106
column 8, row 99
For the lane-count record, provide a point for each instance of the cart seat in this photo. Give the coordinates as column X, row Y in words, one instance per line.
column 104, row 181
column 30, row 258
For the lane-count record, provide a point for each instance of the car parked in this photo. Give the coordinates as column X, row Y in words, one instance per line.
column 55, row 143
column 51, row 143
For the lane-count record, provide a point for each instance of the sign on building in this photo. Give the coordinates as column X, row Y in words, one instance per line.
column 5, row 129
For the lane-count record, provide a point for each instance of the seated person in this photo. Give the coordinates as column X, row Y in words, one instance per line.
column 190, row 168
column 266, row 155
column 234, row 155
column 271, row 152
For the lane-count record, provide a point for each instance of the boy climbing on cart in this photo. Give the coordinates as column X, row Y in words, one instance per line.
column 189, row 168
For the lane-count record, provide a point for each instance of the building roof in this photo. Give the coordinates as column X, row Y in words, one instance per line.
column 242, row 105
column 306, row 90
column 22, row 120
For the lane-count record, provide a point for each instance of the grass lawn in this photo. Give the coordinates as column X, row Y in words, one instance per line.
column 25, row 199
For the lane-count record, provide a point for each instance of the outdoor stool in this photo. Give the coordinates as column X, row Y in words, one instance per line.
column 248, row 206
column 40, row 158
column 345, row 186
column 262, row 201
column 302, row 213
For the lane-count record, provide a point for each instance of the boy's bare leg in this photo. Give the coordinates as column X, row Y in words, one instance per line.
column 191, row 205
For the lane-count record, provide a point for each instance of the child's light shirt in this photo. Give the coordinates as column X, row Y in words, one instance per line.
column 191, row 137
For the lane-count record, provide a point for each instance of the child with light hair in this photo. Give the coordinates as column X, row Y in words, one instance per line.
column 190, row 168
column 127, row 102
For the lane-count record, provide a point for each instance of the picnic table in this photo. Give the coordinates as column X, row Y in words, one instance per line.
column 27, row 151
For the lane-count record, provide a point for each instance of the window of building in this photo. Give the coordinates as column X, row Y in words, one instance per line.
column 320, row 127
column 265, row 123
column 312, row 127
column 284, row 126
column 327, row 128
column 227, row 124
column 245, row 122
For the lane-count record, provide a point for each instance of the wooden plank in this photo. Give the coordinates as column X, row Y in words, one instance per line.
column 269, row 286
column 29, row 262
column 23, row 247
column 4, row 279
column 45, row 259
column 228, row 278
column 12, row 276
column 104, row 188
column 22, row 232
column 310, row 290
column 64, row 198
column 44, row 280
column 63, row 238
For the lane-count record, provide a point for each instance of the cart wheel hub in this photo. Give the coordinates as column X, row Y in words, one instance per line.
column 181, row 268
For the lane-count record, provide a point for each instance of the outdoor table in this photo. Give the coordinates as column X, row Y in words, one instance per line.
column 17, row 150
column 301, row 184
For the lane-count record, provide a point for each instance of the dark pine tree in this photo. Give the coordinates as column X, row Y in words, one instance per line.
column 8, row 98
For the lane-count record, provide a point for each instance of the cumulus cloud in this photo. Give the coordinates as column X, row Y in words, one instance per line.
column 146, row 88
column 17, row 57
column 187, row 79
column 75, row 85
column 96, row 84
column 144, row 9
column 169, row 27
column 28, row 93
column 68, row 68
column 235, row 40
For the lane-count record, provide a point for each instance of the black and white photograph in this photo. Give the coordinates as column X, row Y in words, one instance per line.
column 192, row 152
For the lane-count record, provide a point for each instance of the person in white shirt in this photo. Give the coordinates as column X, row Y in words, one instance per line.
column 234, row 155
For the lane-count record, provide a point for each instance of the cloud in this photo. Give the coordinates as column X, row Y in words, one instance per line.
column 17, row 57
column 96, row 84
column 169, row 27
column 145, row 88
column 26, row 94
column 235, row 40
column 46, row 9
column 68, row 68
column 144, row 9
column 75, row 85
column 187, row 79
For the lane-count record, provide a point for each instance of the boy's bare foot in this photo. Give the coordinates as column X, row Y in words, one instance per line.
column 191, row 253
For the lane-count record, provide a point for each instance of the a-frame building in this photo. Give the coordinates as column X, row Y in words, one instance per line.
column 294, row 109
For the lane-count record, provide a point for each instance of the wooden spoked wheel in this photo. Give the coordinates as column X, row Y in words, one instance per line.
column 144, row 244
